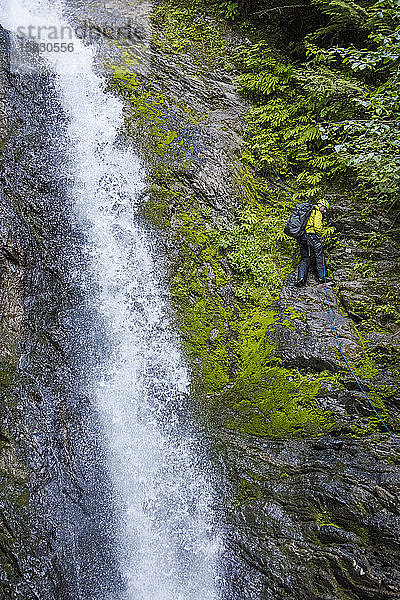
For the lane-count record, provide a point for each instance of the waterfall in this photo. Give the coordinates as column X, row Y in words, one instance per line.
column 168, row 548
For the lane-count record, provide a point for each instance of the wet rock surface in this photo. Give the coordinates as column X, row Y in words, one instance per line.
column 307, row 518
column 320, row 519
column 53, row 492
column 314, row 517
column 312, row 343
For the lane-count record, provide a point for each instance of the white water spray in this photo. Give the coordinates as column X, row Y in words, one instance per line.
column 167, row 547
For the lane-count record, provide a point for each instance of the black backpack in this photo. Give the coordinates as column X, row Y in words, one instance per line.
column 296, row 224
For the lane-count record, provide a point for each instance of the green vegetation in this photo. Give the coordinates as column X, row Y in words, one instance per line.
column 229, row 345
column 181, row 27
column 149, row 122
column 283, row 132
column 279, row 403
column 7, row 373
column 323, row 519
column 255, row 245
column 249, row 490
column 329, row 103
column 229, row 273
column 368, row 144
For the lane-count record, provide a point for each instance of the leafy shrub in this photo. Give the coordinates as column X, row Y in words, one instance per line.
column 336, row 112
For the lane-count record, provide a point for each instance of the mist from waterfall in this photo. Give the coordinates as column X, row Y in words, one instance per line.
column 168, row 546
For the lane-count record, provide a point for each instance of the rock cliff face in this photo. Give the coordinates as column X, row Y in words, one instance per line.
column 16, row 255
column 311, row 508
column 316, row 475
column 53, row 491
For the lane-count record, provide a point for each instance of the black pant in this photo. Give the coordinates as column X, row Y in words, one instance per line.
column 307, row 242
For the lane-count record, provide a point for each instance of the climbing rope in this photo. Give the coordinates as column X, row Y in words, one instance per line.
column 347, row 362
column 337, row 337
column 282, row 184
column 323, row 258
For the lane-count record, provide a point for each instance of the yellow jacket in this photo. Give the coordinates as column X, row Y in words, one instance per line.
column 314, row 223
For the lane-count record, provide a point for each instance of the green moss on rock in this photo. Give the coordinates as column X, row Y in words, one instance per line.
column 150, row 121
column 248, row 490
column 229, row 272
column 7, row 373
column 231, row 349
column 180, row 27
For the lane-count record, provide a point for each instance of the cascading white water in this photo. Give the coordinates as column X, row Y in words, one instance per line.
column 168, row 548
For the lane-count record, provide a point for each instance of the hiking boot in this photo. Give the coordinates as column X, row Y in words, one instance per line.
column 300, row 283
column 327, row 279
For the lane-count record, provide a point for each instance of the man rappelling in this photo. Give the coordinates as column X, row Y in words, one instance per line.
column 305, row 225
